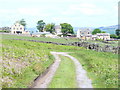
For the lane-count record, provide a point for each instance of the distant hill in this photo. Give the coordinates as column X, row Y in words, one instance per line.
column 76, row 28
column 33, row 29
column 109, row 29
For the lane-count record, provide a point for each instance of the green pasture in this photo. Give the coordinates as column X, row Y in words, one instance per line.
column 23, row 61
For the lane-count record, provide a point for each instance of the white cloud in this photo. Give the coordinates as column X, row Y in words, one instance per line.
column 34, row 11
column 92, row 11
column 28, row 11
column 84, row 8
column 87, row 5
column 58, row 10
column 6, row 11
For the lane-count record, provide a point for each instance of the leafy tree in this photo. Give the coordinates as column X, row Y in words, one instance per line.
column 118, row 37
column 40, row 25
column 117, row 32
column 66, row 28
column 50, row 28
column 22, row 22
column 96, row 31
column 113, row 36
column 103, row 32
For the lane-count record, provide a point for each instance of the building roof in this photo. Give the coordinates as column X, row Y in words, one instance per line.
column 94, row 35
column 40, row 33
column 17, row 24
column 102, row 34
column 88, row 35
column 84, row 29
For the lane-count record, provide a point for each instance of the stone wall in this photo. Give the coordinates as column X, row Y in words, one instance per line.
column 87, row 45
column 97, row 47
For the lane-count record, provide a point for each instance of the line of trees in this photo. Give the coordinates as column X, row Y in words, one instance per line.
column 65, row 27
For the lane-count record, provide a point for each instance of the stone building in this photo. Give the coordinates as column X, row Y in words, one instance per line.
column 84, row 34
column 58, row 30
column 94, row 37
column 103, row 36
column 5, row 29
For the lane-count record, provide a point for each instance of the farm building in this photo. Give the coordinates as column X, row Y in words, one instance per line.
column 58, row 30
column 17, row 28
column 85, row 34
column 103, row 36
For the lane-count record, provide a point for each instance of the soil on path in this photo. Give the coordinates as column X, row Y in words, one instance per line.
column 43, row 81
column 81, row 75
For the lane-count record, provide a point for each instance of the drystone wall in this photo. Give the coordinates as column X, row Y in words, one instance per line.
column 87, row 45
column 97, row 47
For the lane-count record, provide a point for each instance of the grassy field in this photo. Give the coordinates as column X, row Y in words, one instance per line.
column 23, row 61
column 102, row 68
column 65, row 76
column 58, row 40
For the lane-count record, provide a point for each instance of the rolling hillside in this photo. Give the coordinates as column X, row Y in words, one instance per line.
column 109, row 29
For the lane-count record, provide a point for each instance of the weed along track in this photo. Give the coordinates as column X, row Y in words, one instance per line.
column 43, row 81
column 81, row 78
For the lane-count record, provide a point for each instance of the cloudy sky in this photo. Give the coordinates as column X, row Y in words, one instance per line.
column 79, row 13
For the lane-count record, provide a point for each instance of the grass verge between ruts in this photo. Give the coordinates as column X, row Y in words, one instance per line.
column 65, row 76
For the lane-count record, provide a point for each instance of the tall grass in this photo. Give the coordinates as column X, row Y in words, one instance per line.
column 102, row 67
column 23, row 61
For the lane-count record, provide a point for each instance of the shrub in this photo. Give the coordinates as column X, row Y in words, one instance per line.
column 113, row 36
column 99, row 40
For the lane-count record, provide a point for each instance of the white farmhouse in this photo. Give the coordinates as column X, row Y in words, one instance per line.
column 18, row 29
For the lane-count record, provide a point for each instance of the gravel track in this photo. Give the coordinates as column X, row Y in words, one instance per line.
column 81, row 75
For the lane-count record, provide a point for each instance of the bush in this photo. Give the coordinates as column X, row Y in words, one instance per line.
column 113, row 36
column 5, row 31
column 99, row 40
column 118, row 37
column 43, row 35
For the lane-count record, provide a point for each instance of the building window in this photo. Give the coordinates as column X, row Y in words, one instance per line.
column 14, row 28
column 20, row 28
